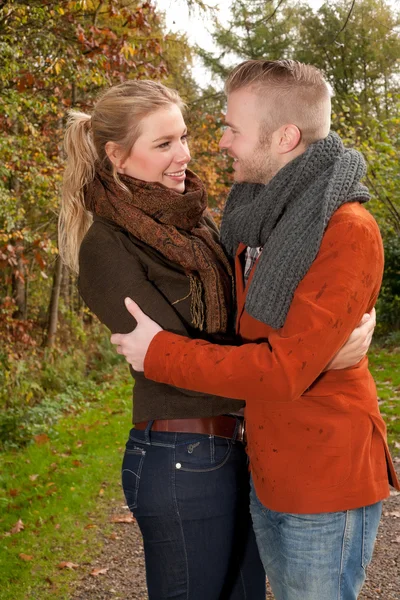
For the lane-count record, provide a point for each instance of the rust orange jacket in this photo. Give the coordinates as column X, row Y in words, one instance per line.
column 316, row 440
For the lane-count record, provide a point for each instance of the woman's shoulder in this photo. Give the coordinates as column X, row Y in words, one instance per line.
column 102, row 230
column 105, row 236
column 105, row 246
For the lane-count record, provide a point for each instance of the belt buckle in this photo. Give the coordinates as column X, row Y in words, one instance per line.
column 241, row 432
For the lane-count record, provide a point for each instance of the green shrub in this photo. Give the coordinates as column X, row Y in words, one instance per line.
column 388, row 306
column 38, row 384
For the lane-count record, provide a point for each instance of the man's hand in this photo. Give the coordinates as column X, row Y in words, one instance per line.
column 356, row 346
column 134, row 345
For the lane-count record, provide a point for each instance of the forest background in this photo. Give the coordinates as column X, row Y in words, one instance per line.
column 59, row 55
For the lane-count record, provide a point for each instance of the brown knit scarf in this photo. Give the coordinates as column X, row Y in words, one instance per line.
column 170, row 222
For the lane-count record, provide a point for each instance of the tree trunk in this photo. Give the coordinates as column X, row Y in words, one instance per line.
column 53, row 306
column 19, row 290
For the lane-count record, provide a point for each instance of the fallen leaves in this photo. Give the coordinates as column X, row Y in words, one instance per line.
column 25, row 556
column 19, row 526
column 122, row 519
column 67, row 565
column 97, row 572
column 41, row 439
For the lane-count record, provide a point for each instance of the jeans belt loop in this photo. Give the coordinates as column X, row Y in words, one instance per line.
column 147, row 432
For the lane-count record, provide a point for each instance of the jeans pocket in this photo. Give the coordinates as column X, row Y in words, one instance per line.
column 131, row 472
column 204, row 454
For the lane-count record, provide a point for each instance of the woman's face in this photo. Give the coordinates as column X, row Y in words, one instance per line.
column 161, row 153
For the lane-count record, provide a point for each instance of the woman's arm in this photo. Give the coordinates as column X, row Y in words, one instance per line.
column 108, row 273
column 356, row 346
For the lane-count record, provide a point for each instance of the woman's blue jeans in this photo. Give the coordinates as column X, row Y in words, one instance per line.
column 319, row 556
column 190, row 496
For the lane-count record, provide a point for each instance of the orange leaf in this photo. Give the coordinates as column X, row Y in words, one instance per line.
column 41, row 439
column 122, row 519
column 90, row 526
column 67, row 565
column 14, row 493
column 96, row 572
column 19, row 526
column 25, row 556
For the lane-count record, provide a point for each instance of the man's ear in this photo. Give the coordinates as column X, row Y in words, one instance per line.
column 114, row 154
column 289, row 137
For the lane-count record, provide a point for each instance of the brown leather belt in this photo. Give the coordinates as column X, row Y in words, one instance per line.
column 222, row 426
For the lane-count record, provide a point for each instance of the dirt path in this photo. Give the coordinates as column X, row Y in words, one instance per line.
column 122, row 555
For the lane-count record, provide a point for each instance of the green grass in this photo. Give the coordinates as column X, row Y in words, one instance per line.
column 61, row 488
column 385, row 367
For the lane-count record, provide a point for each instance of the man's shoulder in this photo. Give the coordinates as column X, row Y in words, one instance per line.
column 354, row 216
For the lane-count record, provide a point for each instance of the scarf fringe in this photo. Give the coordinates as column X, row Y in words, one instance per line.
column 196, row 302
column 179, row 228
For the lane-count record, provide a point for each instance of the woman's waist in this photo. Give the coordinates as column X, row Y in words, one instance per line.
column 225, row 426
column 153, row 400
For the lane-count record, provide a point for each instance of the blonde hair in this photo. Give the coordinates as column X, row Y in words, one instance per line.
column 289, row 92
column 116, row 117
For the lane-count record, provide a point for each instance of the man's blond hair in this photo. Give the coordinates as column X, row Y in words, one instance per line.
column 289, row 92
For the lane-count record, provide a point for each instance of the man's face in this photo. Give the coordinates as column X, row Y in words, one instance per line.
column 251, row 150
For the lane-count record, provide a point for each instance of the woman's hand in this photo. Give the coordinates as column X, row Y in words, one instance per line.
column 356, row 346
column 134, row 345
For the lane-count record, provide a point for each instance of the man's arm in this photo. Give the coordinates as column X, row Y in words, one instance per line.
column 340, row 286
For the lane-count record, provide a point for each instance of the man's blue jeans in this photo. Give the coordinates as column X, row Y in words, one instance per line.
column 190, row 496
column 315, row 556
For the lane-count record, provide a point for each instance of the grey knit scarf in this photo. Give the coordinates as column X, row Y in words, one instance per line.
column 288, row 217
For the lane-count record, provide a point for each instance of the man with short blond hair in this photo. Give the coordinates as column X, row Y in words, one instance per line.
column 274, row 83
column 309, row 264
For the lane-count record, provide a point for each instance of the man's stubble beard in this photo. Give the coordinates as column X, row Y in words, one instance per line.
column 261, row 168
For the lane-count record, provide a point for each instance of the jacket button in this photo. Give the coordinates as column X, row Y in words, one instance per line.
column 178, row 465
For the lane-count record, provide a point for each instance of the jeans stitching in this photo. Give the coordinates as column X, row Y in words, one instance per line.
column 166, row 444
column 345, row 533
column 211, row 469
column 137, row 483
column 243, row 585
column 363, row 537
column 212, row 449
column 180, row 523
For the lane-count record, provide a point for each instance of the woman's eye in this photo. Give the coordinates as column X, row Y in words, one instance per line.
column 185, row 137
column 164, row 145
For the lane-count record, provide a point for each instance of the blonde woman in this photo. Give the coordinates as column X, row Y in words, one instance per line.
column 134, row 222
